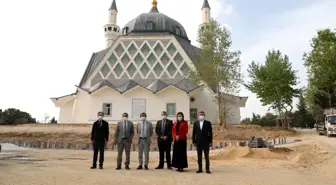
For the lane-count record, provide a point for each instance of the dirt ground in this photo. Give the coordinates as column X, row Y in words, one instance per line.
column 310, row 162
column 80, row 133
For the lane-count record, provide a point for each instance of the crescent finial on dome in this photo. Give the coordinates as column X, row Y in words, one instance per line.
column 154, row 3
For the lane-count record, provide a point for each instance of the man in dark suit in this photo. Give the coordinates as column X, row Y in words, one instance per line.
column 163, row 131
column 202, row 139
column 99, row 138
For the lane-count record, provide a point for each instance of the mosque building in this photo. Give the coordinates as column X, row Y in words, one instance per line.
column 144, row 68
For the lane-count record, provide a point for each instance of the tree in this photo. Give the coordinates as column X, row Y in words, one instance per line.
column 304, row 117
column 267, row 120
column 321, row 67
column 302, row 111
column 1, row 120
column 274, row 82
column 313, row 107
column 218, row 66
column 53, row 120
column 46, row 118
column 256, row 119
column 13, row 116
column 246, row 121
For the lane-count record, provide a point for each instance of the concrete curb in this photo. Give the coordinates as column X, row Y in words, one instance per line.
column 88, row 146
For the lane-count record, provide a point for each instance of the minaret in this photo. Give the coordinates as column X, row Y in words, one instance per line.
column 206, row 12
column 111, row 28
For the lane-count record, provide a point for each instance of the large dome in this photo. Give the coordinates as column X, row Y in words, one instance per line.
column 154, row 21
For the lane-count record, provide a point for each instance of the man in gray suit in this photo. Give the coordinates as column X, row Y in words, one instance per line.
column 123, row 137
column 145, row 133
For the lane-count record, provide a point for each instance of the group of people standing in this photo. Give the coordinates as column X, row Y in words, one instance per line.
column 167, row 133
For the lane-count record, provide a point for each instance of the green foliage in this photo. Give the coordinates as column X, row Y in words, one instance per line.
column 303, row 116
column 14, row 116
column 274, row 82
column 246, row 121
column 1, row 120
column 267, row 120
column 218, row 66
column 321, row 67
column 53, row 120
column 313, row 108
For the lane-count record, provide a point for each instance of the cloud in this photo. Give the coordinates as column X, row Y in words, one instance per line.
column 290, row 33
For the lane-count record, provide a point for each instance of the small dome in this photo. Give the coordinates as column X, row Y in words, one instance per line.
column 154, row 21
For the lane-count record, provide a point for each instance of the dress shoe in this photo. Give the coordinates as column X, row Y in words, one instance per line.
column 101, row 167
column 139, row 167
column 118, row 168
column 180, row 170
column 169, row 168
column 146, row 167
column 158, row 168
column 199, row 171
column 93, row 167
column 208, row 171
column 127, row 168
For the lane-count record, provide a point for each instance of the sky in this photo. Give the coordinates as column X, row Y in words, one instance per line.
column 46, row 45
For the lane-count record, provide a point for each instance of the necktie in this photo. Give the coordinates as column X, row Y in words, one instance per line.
column 143, row 129
column 125, row 128
column 100, row 123
column 163, row 126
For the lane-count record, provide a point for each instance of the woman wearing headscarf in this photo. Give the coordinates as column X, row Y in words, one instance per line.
column 179, row 132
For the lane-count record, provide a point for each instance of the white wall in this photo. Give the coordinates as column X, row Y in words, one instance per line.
column 81, row 107
column 232, row 113
column 65, row 114
column 87, row 105
column 204, row 102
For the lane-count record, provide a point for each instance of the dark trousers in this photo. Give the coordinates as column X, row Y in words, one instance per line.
column 164, row 148
column 98, row 146
column 200, row 149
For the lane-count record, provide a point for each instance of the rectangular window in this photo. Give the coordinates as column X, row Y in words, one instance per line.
column 178, row 31
column 171, row 109
column 107, row 109
column 125, row 30
column 138, row 107
column 149, row 26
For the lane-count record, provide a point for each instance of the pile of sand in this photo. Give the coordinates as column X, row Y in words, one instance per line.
column 308, row 155
column 254, row 153
column 300, row 155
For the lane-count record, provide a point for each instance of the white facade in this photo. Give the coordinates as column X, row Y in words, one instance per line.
column 83, row 107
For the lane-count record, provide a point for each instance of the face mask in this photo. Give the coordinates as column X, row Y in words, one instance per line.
column 142, row 118
column 100, row 117
column 179, row 118
column 125, row 118
column 201, row 118
column 164, row 117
